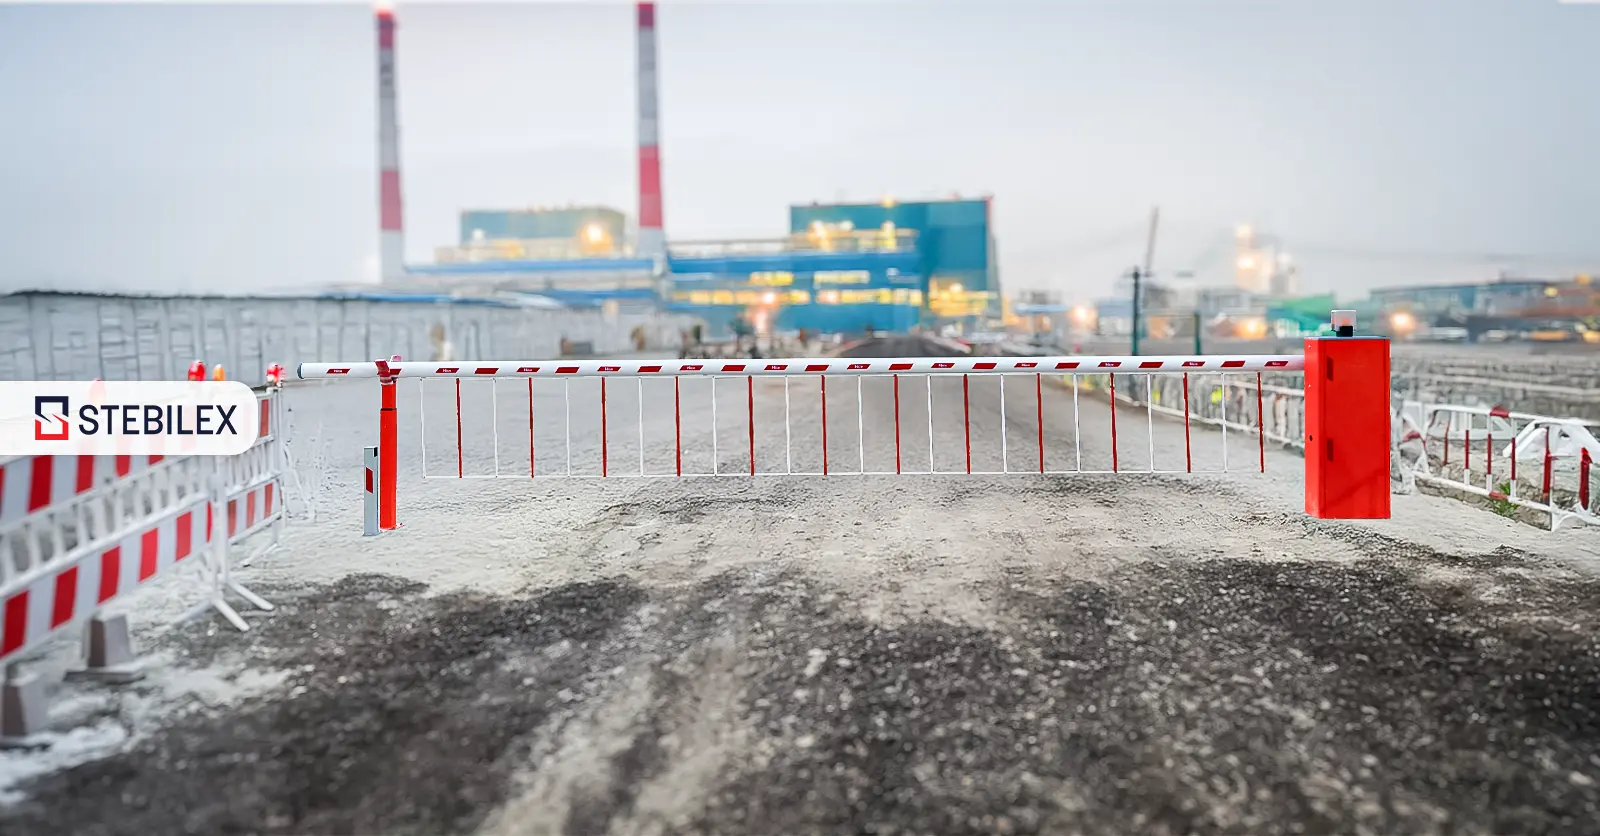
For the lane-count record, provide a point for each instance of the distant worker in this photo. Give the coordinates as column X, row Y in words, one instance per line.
column 638, row 338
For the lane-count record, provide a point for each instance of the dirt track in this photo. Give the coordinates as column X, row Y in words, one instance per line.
column 936, row 654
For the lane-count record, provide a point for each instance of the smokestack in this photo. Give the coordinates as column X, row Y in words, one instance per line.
column 652, row 238
column 391, row 234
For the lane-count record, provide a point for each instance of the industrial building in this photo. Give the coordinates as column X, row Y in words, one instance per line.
column 1556, row 309
column 848, row 267
column 539, row 234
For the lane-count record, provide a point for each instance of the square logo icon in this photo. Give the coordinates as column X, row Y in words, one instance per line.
column 50, row 418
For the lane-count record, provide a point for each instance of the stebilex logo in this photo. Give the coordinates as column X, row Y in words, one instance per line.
column 50, row 424
column 206, row 418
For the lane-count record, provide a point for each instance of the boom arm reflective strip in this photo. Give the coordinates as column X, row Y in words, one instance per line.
column 816, row 365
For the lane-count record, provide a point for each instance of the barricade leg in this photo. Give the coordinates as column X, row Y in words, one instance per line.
column 221, row 580
column 23, row 710
column 108, row 651
column 1348, row 433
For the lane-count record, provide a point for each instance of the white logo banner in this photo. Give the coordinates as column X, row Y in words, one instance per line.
column 121, row 418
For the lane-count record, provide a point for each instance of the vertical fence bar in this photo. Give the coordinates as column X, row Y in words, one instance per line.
column 640, row 392
column 677, row 425
column 566, row 399
column 1449, row 419
column 1077, row 432
column 1150, row 415
column 1038, row 403
column 714, row 454
column 1488, row 461
column 929, row 380
column 1005, row 461
column 1261, row 426
column 966, row 421
column 1188, row 455
column 1114, row 462
column 605, row 440
column 750, row 417
column 460, row 471
column 1466, row 460
column 788, row 448
column 897, row 423
column 531, row 468
column 1547, row 462
column 861, row 428
column 1584, row 463
column 494, row 419
column 1513, row 467
column 824, row 391
column 422, row 422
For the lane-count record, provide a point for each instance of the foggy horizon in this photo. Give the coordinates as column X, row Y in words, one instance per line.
column 232, row 148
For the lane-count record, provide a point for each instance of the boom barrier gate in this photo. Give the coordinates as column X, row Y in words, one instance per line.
column 1347, row 430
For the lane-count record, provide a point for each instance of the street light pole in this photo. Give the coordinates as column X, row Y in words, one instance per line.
column 1138, row 274
column 1136, row 297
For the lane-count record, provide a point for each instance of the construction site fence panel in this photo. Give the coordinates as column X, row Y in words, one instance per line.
column 80, row 533
column 1543, row 463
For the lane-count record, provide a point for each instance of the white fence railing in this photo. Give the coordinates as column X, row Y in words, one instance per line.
column 1517, row 460
column 794, row 417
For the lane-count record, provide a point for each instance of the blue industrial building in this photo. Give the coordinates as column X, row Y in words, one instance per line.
column 847, row 268
column 842, row 268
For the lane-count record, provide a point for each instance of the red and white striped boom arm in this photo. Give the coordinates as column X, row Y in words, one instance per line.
column 813, row 365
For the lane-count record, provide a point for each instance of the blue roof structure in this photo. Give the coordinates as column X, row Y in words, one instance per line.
column 576, row 265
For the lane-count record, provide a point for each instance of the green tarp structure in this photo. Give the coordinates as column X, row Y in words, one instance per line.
column 1310, row 313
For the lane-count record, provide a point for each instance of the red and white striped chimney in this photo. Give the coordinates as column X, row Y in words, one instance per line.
column 391, row 229
column 652, row 238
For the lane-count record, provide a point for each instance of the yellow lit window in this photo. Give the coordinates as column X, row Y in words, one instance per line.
column 722, row 297
column 838, row 277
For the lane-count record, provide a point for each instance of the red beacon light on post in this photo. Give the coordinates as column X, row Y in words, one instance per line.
column 275, row 376
column 197, row 370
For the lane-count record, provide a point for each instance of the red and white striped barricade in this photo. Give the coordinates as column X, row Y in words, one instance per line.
column 1351, row 408
column 77, row 533
column 1522, row 459
column 254, row 479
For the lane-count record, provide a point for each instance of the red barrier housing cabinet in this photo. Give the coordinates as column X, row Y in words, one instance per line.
column 1347, row 426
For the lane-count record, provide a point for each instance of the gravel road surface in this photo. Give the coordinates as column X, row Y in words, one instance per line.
column 945, row 654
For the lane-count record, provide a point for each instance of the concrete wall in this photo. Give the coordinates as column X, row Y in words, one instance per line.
column 54, row 336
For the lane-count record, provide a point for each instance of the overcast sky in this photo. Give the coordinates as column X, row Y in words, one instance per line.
column 166, row 147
